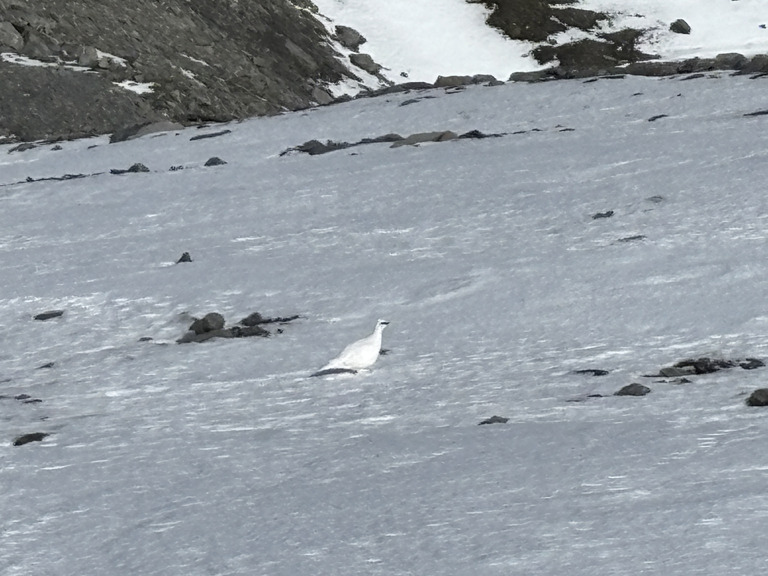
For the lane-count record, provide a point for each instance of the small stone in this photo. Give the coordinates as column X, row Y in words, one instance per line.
column 27, row 438
column 592, row 372
column 680, row 26
column 494, row 420
column 214, row 161
column 632, row 238
column 49, row 314
column 184, row 258
column 600, row 215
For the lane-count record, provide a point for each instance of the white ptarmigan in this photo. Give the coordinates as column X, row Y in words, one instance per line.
column 358, row 355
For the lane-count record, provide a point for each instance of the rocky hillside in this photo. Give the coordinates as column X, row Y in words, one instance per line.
column 205, row 61
column 72, row 68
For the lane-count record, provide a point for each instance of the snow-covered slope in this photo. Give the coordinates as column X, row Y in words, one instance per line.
column 226, row 458
column 427, row 38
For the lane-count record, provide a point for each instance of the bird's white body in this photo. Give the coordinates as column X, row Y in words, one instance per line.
column 361, row 354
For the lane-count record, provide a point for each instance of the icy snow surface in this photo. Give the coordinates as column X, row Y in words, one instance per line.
column 225, row 458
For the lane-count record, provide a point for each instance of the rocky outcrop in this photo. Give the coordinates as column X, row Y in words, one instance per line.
column 202, row 61
column 537, row 20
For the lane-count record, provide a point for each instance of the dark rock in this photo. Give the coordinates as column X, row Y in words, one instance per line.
column 214, row 161
column 494, row 420
column 32, row 437
column 386, row 138
column 757, row 113
column 23, row 147
column 208, row 323
column 365, row 62
column 537, row 76
column 315, row 147
column 398, row 88
column 349, row 38
column 478, row 135
column 192, row 336
column 601, row 215
column 410, row 101
column 731, row 61
column 657, row 117
column 330, row 371
column 537, row 20
column 751, row 364
column 587, row 56
column 134, row 169
column 49, row 314
column 281, row 319
column 484, row 79
column 704, row 365
column 653, row 68
column 592, row 372
column 757, row 64
column 210, row 135
column 672, row 372
column 185, row 257
column 634, row 238
column 248, row 331
column 693, row 77
column 46, row 365
column 633, row 389
column 453, row 81
column 252, row 319
column 680, row 26
column 251, row 57
column 146, row 339
column 40, row 103
column 758, row 398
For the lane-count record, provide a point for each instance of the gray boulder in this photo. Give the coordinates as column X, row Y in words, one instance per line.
column 208, row 323
column 10, row 37
column 730, row 61
column 365, row 62
column 680, row 26
column 758, row 398
column 349, row 38
column 453, row 81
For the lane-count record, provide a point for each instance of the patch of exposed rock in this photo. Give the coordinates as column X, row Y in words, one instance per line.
column 205, row 61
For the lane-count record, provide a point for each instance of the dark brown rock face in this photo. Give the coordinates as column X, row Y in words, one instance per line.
column 208, row 60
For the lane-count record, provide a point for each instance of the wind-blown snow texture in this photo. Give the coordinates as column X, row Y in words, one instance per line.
column 226, row 458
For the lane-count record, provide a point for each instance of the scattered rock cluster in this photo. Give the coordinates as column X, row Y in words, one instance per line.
column 678, row 374
column 212, row 326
